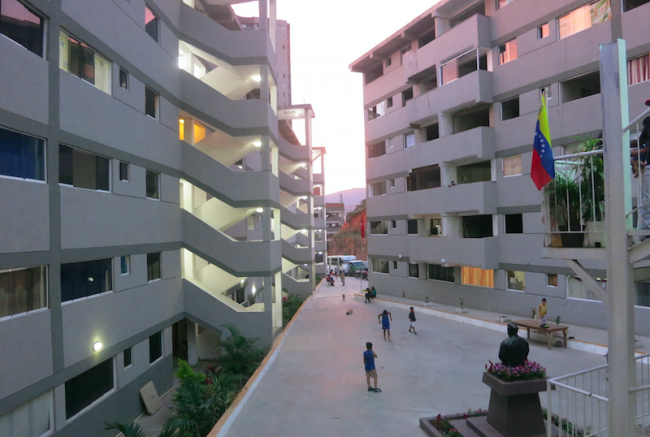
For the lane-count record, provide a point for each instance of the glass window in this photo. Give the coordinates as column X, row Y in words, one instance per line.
column 128, row 357
column 414, row 270
column 551, row 280
column 378, row 189
column 152, row 182
column 22, row 290
column 638, row 69
column 379, row 227
column 579, row 290
column 125, row 264
column 394, row 223
column 155, row 347
column 153, row 266
column 86, row 278
column 376, row 150
column 78, row 59
column 478, row 277
column 391, row 183
column 514, row 224
column 423, row 178
column 124, row 171
column 33, row 418
column 380, row 266
column 83, row 169
column 21, row 156
column 22, row 24
column 584, row 17
column 150, row 102
column 440, row 273
column 409, row 140
column 516, row 281
column 543, row 31
column 502, row 3
column 124, row 79
column 508, row 51
column 435, row 226
column 402, row 52
column 510, row 108
column 389, row 102
column 84, row 389
column 151, row 23
column 512, row 166
column 406, row 96
column 394, row 265
column 389, row 61
column 412, row 227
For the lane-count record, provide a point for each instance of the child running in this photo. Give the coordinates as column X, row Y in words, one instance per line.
column 385, row 324
column 412, row 320
column 371, row 372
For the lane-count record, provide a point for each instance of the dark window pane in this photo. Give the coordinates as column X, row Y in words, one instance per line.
column 67, row 277
column 514, row 224
column 124, row 79
column 155, row 347
column 412, row 226
column 101, row 173
column 152, row 184
column 124, row 171
column 150, row 102
column 414, row 270
column 151, row 23
column 65, row 165
column 82, row 279
column 477, row 226
column 81, row 60
column 153, row 266
column 22, row 290
column 128, row 360
column 5, row 294
column 21, row 156
column 22, row 25
column 83, row 169
column 86, row 388
column 441, row 273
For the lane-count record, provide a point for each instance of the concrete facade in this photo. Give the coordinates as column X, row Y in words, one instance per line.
column 449, row 107
column 158, row 212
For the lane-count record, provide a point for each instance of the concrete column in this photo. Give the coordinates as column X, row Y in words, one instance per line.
column 264, row 14
column 273, row 22
column 445, row 125
column 442, row 25
column 192, row 345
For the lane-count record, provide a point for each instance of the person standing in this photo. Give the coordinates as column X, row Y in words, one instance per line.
column 385, row 323
column 412, row 320
column 542, row 311
column 369, row 363
column 342, row 278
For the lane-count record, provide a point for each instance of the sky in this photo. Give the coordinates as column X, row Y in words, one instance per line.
column 326, row 37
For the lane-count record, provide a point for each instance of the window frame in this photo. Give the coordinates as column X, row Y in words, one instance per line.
column 156, row 96
column 414, row 268
column 45, row 297
column 389, row 61
column 109, row 175
column 158, row 21
column 125, row 260
column 559, row 30
column 99, row 399
column 510, row 48
column 429, row 278
column 125, row 165
column 540, row 31
column 42, row 29
column 548, row 280
column 44, row 163
column 101, row 293
column 124, row 354
column 123, row 72
column 107, row 86
column 162, row 347
column 514, row 275
column 151, row 275
column 507, row 101
column 157, row 198
column 503, row 166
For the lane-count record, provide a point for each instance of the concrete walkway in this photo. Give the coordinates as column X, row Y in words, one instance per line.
column 316, row 386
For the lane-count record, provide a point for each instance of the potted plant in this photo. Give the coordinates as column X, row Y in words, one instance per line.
column 563, row 200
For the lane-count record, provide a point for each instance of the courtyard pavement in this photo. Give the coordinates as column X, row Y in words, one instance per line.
column 316, row 386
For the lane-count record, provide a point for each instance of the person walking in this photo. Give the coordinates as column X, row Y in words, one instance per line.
column 412, row 320
column 369, row 362
column 385, row 324
column 342, row 278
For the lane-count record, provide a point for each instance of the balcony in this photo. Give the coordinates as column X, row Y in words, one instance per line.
column 388, row 125
column 470, row 90
column 296, row 255
column 319, row 178
column 300, row 287
column 295, row 220
column 297, row 187
column 319, row 201
column 293, row 152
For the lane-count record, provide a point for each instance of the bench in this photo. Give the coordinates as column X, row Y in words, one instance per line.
column 534, row 325
column 361, row 297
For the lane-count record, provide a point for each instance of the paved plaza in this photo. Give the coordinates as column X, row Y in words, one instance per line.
column 316, row 385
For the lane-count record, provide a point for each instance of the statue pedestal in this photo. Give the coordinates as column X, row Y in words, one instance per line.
column 515, row 410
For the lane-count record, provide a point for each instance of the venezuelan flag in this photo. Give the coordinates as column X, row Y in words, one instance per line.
column 542, row 169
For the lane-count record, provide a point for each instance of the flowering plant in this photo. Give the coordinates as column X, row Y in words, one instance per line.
column 530, row 370
column 443, row 423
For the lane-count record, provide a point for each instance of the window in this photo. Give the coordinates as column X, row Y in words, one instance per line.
column 373, row 73
column 510, row 109
column 412, row 227
column 378, row 189
column 21, row 156
column 153, row 266
column 389, row 61
column 512, row 166
column 380, row 266
column 22, row 290
column 477, row 226
column 427, row 38
column 516, row 281
column 33, row 418
column 391, row 183
column 584, row 17
column 631, row 4
column 152, row 182
column 124, row 171
column 86, row 278
column 389, row 102
column 151, row 23
column 409, row 140
column 433, row 132
column 78, row 59
column 478, row 277
column 125, row 265
column 440, row 273
column 514, row 224
column 318, row 258
column 406, row 96
column 502, row 3
column 128, row 357
column 394, row 223
column 402, row 52
column 551, row 280
column 435, row 227
column 124, row 79
column 86, row 388
column 423, row 178
column 394, row 265
column 477, row 172
column 578, row 290
column 508, row 51
column 414, row 270
column 151, row 103
column 22, row 25
column 377, row 111
column 463, row 65
column 377, row 228
column 543, row 31
column 155, row 347
column 547, row 90
column 580, row 87
column 83, row 169
column 375, row 150
column 638, row 69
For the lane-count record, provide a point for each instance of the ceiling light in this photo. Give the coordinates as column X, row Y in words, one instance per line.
column 181, row 121
column 97, row 346
column 302, row 164
column 257, row 78
column 260, row 210
column 304, row 197
column 257, row 143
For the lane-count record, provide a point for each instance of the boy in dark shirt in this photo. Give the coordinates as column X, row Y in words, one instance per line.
column 369, row 362
column 412, row 320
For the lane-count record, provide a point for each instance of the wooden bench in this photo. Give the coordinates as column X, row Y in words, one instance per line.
column 534, row 325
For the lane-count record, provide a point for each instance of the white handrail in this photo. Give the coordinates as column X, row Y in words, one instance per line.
column 579, row 155
column 636, row 120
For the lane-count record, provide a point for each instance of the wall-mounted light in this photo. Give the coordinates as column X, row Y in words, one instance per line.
column 253, row 290
column 97, row 346
column 320, row 253
column 259, row 210
column 257, row 78
column 181, row 121
column 257, row 143
column 304, row 197
column 304, row 231
column 302, row 164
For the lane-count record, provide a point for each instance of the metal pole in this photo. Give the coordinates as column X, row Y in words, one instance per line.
column 620, row 285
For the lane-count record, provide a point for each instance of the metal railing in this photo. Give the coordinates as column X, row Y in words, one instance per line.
column 579, row 405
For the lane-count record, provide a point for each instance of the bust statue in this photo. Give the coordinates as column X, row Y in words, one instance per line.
column 514, row 349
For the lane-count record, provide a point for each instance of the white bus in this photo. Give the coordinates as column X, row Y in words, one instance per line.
column 339, row 262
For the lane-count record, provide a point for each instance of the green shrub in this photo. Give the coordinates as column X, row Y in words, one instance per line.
column 290, row 308
column 130, row 430
column 241, row 354
column 185, row 373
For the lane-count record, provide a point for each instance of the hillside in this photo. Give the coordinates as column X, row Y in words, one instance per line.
column 348, row 240
column 351, row 197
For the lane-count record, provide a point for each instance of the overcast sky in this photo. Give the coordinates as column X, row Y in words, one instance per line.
column 326, row 37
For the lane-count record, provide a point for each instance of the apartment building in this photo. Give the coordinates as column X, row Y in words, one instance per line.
column 335, row 219
column 149, row 189
column 451, row 102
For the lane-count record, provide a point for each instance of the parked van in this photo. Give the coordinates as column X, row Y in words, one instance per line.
column 356, row 265
column 339, row 262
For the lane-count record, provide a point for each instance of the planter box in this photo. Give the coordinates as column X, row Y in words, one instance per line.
column 513, row 388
